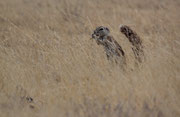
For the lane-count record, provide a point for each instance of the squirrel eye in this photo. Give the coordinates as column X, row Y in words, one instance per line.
column 100, row 29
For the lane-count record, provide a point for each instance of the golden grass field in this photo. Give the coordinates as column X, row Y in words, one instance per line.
column 49, row 67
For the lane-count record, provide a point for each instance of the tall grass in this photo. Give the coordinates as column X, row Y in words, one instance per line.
column 46, row 54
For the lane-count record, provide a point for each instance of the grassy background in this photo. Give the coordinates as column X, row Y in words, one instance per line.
column 46, row 54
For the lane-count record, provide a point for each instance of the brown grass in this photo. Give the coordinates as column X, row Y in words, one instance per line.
column 46, row 54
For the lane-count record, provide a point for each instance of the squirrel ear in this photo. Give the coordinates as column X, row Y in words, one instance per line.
column 107, row 29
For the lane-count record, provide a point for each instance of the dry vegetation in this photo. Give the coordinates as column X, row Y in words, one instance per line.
column 49, row 67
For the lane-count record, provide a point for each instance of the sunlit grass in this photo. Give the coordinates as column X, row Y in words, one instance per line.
column 46, row 54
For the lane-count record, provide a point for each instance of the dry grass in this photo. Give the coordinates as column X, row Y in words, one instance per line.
column 46, row 54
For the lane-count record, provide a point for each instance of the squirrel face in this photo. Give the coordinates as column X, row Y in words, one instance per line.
column 100, row 32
